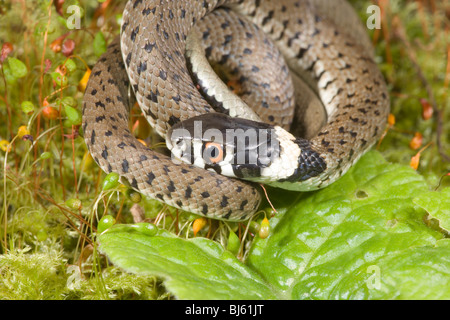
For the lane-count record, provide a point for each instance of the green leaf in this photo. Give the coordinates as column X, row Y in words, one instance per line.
column 193, row 269
column 99, row 44
column 437, row 204
column 74, row 115
column 17, row 67
column 363, row 237
column 326, row 245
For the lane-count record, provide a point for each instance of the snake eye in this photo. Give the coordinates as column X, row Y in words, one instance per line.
column 213, row 152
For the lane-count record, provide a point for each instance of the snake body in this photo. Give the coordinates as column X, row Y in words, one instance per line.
column 150, row 58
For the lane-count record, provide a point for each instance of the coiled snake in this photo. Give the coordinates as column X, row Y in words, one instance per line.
column 321, row 41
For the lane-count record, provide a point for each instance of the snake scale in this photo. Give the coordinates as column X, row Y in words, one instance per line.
column 321, row 39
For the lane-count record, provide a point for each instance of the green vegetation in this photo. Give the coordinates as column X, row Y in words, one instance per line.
column 381, row 232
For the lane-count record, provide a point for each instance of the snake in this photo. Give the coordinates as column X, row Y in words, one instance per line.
column 325, row 55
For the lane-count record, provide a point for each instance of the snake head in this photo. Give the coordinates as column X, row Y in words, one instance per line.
column 232, row 147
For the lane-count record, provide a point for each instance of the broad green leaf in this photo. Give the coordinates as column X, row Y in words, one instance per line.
column 437, row 204
column 99, row 44
column 193, row 269
column 17, row 67
column 327, row 244
column 361, row 238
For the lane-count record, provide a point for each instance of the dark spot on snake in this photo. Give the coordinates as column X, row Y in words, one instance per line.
column 183, row 13
column 363, row 142
column 188, row 192
column 114, row 127
column 264, row 104
column 239, row 189
column 171, row 186
column 108, row 133
column 93, row 137
column 105, row 153
column 172, row 120
column 109, row 168
column 302, row 51
column 248, row 51
column 255, row 69
column 150, row 178
column 165, row 34
column 163, row 74
column 94, row 92
column 134, row 183
column 155, row 157
column 112, row 119
column 99, row 119
column 353, row 134
column 147, row 11
column 136, row 3
column 128, row 59
column 226, row 216
column 224, row 201
column 166, row 169
column 228, row 39
column 142, row 67
column 341, row 129
column 134, row 33
column 354, row 119
column 342, row 142
column 152, row 96
column 348, row 106
column 325, row 143
column 205, row 209
column 350, row 95
column 243, row 204
column 320, row 75
column 271, row 118
column 160, row 196
column 351, row 153
column 376, row 131
column 184, row 171
column 225, row 25
column 125, row 166
column 223, row 59
column 100, row 104
column 149, row 47
column 349, row 80
column 124, row 27
column 176, row 77
column 208, row 51
column 98, row 73
column 177, row 99
column 179, row 203
column 205, row 34
column 268, row 17
column 205, row 194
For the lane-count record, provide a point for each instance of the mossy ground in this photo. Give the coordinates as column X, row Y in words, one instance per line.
column 47, row 240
